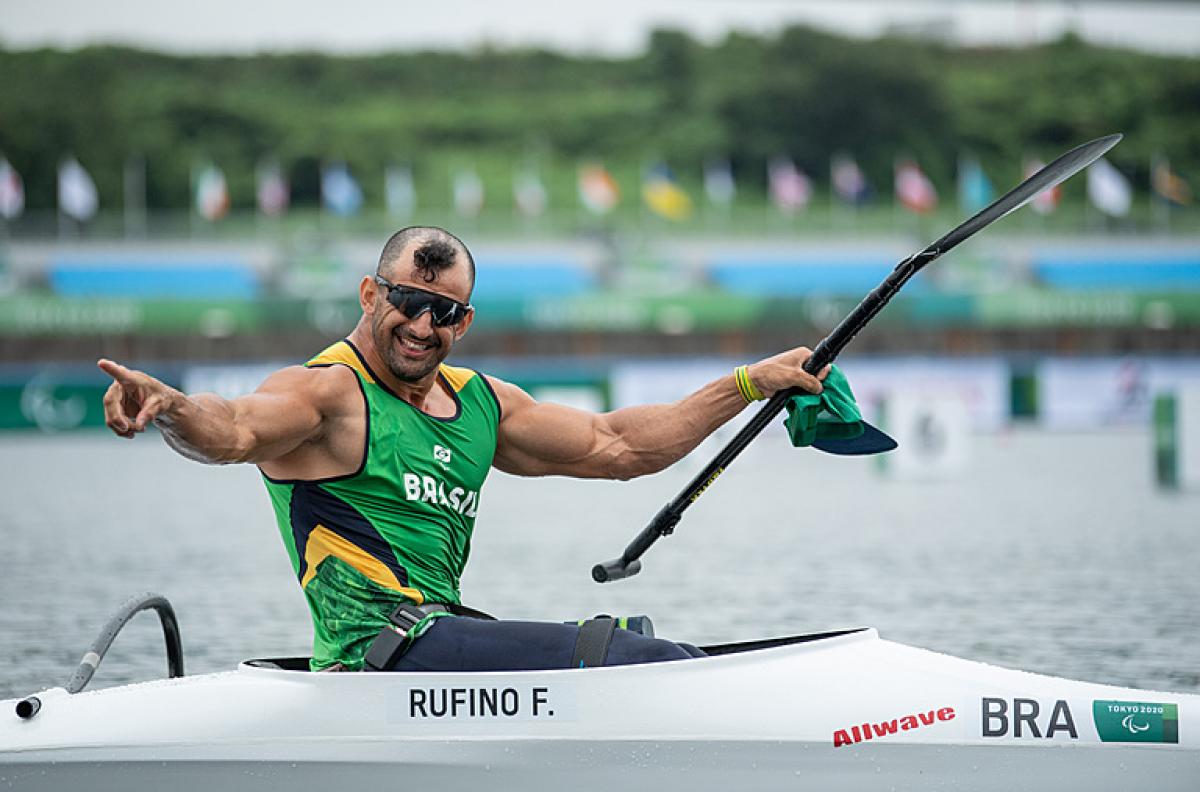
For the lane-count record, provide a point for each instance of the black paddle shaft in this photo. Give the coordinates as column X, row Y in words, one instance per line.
column 828, row 349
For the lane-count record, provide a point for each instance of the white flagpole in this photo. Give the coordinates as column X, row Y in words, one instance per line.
column 135, row 195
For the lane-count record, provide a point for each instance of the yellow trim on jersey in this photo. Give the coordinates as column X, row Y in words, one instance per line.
column 457, row 377
column 341, row 352
column 323, row 543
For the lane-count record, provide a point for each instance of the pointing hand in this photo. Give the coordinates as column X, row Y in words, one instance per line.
column 133, row 400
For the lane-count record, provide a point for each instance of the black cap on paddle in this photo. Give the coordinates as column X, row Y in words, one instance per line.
column 616, row 569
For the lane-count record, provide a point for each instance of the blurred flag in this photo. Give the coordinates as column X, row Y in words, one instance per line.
column 719, row 185
column 340, row 193
column 849, row 183
column 1046, row 201
column 77, row 196
column 12, row 191
column 271, row 189
column 791, row 189
column 468, row 193
column 598, row 191
column 663, row 195
column 1168, row 185
column 399, row 192
column 1108, row 189
column 974, row 187
column 528, row 192
column 212, row 193
column 914, row 191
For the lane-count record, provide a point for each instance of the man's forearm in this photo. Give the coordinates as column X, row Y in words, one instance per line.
column 201, row 428
column 654, row 437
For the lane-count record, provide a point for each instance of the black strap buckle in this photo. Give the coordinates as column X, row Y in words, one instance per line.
column 393, row 641
column 591, row 645
column 406, row 616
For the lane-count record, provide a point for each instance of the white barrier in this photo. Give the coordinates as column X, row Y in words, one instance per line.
column 933, row 433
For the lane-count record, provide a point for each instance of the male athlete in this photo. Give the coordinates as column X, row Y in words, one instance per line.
column 374, row 453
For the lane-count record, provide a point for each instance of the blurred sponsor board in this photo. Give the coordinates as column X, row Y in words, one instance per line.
column 53, row 398
column 1156, row 310
column 52, row 404
column 671, row 314
column 24, row 316
column 1078, row 393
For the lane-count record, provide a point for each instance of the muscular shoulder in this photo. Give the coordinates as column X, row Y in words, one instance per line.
column 512, row 399
column 326, row 388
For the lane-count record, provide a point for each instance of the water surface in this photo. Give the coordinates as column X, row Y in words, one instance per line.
column 1051, row 553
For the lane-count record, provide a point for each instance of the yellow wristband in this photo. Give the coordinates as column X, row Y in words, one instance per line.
column 745, row 386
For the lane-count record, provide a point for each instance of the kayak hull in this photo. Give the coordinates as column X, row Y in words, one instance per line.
column 584, row 766
column 850, row 711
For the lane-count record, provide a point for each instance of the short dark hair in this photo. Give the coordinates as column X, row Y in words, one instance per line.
column 437, row 251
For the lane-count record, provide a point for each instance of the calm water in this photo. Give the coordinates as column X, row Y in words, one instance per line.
column 1052, row 553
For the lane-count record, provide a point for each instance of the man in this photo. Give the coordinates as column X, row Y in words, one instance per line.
column 374, row 453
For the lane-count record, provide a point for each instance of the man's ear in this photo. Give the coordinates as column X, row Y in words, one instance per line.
column 366, row 294
column 461, row 329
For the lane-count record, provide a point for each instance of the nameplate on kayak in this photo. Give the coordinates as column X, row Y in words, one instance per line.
column 552, row 702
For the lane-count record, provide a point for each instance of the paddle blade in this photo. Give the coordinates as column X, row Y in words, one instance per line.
column 1050, row 176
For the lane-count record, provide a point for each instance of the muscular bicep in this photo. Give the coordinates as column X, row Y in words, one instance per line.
column 544, row 439
column 288, row 410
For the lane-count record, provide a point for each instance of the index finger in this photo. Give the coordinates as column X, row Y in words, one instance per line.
column 116, row 371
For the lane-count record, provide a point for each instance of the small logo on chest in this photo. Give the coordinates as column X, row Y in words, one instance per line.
column 442, row 455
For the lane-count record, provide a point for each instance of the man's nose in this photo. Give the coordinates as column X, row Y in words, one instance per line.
column 422, row 324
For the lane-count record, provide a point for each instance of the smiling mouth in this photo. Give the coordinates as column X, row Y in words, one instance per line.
column 414, row 346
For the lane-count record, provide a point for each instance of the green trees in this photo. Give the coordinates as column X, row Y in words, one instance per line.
column 801, row 93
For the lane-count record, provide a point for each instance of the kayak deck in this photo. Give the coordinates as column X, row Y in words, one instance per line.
column 714, row 650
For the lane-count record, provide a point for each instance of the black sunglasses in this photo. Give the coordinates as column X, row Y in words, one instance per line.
column 413, row 302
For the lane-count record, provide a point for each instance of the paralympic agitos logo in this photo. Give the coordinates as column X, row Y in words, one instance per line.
column 868, row 731
column 1136, row 721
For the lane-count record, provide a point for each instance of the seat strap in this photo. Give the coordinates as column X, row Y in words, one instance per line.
column 463, row 610
column 591, row 647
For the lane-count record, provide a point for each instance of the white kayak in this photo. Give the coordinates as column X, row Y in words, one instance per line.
column 844, row 711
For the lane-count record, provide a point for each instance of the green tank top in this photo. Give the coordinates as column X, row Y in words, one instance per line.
column 397, row 530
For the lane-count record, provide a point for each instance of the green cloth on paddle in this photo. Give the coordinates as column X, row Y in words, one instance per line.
column 831, row 414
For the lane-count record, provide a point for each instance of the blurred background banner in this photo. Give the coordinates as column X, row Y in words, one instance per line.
column 974, row 187
column 1108, row 189
column 400, row 194
column 12, row 191
column 77, row 197
column 212, row 193
column 663, row 195
column 598, row 191
column 271, row 191
column 914, row 191
column 791, row 189
column 848, row 181
column 340, row 193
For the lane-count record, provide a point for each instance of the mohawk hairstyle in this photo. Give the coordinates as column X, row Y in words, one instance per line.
column 437, row 251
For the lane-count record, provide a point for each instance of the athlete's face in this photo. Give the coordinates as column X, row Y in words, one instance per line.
column 414, row 348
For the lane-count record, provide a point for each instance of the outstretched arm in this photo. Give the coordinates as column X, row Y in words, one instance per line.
column 284, row 412
column 539, row 439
